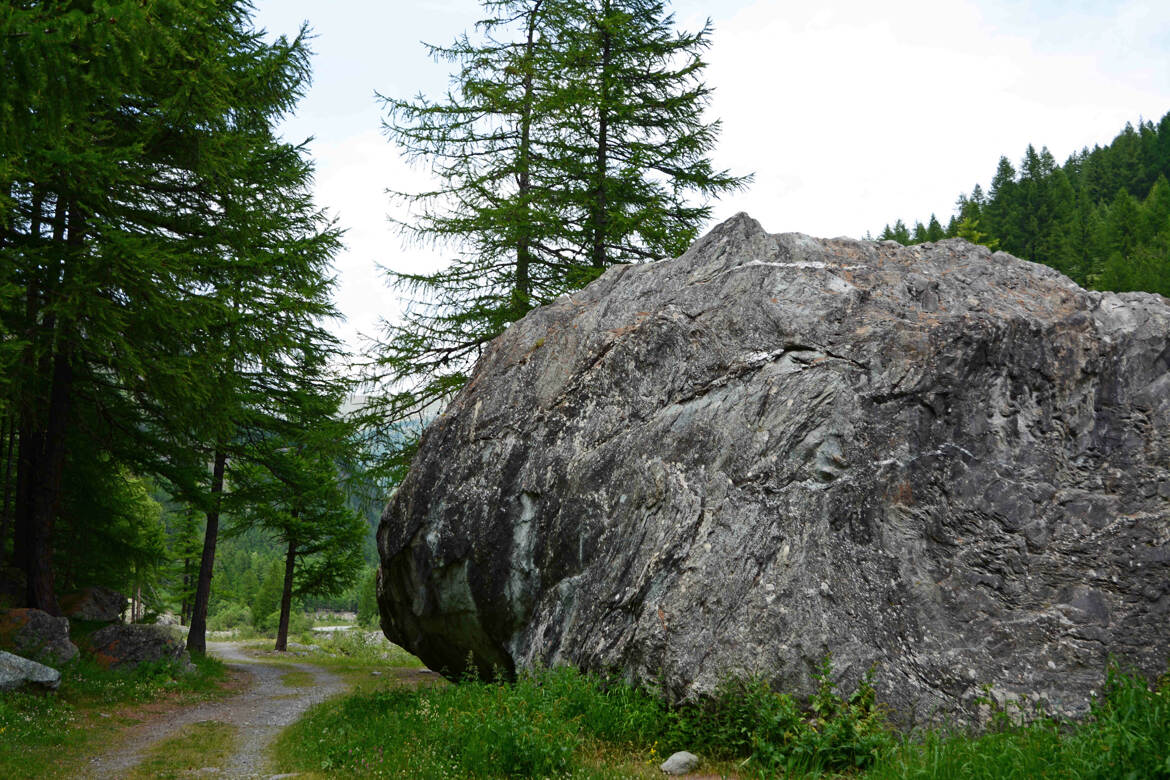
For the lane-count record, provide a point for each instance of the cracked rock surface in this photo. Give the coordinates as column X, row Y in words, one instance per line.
column 950, row 463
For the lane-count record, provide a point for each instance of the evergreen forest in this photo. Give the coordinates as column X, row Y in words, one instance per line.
column 178, row 420
column 1102, row 218
column 166, row 367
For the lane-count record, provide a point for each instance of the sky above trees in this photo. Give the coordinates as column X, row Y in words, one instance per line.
column 850, row 113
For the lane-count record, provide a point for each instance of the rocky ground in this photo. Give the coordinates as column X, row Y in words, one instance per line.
column 263, row 707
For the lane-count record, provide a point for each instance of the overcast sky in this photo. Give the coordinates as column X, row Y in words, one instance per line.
column 850, row 113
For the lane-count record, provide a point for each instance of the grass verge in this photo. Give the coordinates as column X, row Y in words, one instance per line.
column 297, row 679
column 46, row 734
column 560, row 723
column 359, row 657
column 1125, row 737
column 205, row 745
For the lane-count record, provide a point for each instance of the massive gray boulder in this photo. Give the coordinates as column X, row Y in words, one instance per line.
column 949, row 463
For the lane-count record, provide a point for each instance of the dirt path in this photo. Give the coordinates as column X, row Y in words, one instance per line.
column 258, row 712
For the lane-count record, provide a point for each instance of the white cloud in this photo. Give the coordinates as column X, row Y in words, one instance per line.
column 353, row 174
column 853, row 113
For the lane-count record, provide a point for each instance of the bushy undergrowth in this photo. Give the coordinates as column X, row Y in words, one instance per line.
column 746, row 718
column 359, row 647
column 1125, row 737
column 549, row 722
column 38, row 730
column 561, row 723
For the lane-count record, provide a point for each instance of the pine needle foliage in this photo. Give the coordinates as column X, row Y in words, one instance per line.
column 571, row 139
column 1102, row 218
column 161, row 254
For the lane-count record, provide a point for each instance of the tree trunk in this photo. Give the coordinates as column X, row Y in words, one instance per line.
column 522, row 292
column 197, row 636
column 45, row 492
column 286, row 597
column 31, row 433
column 6, row 509
column 601, row 164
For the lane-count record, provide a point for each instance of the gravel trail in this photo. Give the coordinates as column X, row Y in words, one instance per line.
column 259, row 712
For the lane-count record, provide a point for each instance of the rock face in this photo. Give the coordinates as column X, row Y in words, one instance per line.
column 36, row 634
column 121, row 646
column 96, row 604
column 17, row 672
column 949, row 463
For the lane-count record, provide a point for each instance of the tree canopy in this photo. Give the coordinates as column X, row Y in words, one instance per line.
column 1102, row 218
column 572, row 138
column 163, row 262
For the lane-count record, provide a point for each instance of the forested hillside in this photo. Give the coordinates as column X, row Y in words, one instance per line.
column 1102, row 218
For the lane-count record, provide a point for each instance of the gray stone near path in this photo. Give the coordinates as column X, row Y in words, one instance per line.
column 36, row 634
column 121, row 646
column 680, row 763
column 17, row 672
column 948, row 463
column 96, row 604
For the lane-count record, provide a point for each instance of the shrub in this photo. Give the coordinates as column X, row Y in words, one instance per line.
column 298, row 623
column 230, row 615
column 1126, row 735
column 543, row 723
column 746, row 719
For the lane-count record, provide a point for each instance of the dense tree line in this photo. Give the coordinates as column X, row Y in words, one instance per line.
column 1102, row 218
column 164, row 284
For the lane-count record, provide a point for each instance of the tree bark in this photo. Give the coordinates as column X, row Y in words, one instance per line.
column 9, row 487
column 45, row 492
column 522, row 292
column 197, row 635
column 286, row 597
column 47, row 462
column 601, row 163
column 30, row 432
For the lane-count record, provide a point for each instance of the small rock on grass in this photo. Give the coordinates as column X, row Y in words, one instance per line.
column 680, row 763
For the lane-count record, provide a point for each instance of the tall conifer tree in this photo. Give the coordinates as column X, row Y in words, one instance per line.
column 157, row 232
column 571, row 139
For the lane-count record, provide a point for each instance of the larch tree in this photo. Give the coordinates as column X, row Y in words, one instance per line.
column 633, row 148
column 572, row 138
column 291, row 486
column 159, row 237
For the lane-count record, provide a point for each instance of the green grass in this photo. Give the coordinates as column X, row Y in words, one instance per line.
column 560, row 723
column 203, row 745
column 44, row 734
column 1125, row 737
column 354, row 655
column 358, row 646
column 297, row 679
